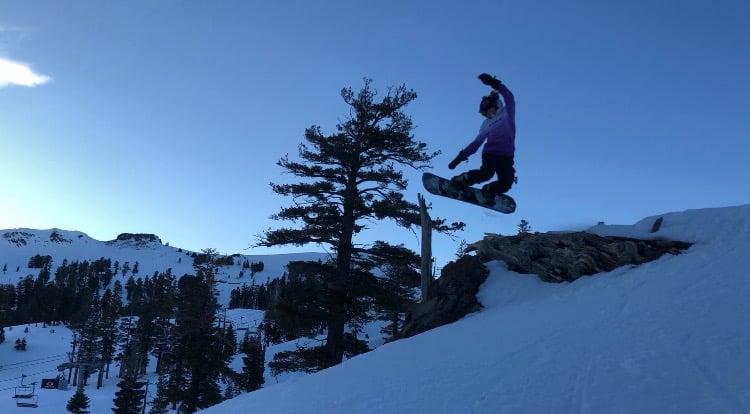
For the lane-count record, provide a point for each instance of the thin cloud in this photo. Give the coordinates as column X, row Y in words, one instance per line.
column 15, row 73
column 12, row 36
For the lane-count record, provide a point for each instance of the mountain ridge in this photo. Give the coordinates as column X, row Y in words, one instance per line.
column 17, row 246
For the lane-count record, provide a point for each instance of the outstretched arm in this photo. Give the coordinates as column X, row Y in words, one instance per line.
column 510, row 101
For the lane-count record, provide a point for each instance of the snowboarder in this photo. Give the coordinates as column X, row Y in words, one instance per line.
column 499, row 132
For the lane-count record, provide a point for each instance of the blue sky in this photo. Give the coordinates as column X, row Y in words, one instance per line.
column 168, row 116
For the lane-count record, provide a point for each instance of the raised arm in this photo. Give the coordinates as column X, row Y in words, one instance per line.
column 508, row 99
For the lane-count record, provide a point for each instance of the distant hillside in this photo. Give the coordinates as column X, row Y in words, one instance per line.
column 18, row 246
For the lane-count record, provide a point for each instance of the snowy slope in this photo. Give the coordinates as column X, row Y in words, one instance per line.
column 48, row 347
column 17, row 246
column 670, row 336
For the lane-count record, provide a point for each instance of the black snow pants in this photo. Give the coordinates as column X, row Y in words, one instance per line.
column 492, row 164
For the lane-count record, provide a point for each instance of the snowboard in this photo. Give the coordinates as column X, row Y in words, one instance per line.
column 437, row 185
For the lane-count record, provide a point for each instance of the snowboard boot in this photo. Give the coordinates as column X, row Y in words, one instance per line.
column 461, row 180
column 488, row 195
column 455, row 186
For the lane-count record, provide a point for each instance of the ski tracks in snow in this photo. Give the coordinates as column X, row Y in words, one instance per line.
column 723, row 394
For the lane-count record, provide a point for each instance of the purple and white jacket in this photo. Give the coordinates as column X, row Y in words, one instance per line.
column 499, row 131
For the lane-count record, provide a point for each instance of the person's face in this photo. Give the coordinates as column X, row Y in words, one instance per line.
column 490, row 112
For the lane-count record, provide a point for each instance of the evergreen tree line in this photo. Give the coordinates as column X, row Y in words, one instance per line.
column 255, row 267
column 38, row 261
column 62, row 297
column 174, row 321
column 251, row 296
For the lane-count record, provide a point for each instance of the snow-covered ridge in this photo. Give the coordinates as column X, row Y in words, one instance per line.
column 668, row 336
column 29, row 237
column 17, row 246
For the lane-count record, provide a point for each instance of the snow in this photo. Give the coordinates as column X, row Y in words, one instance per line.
column 151, row 257
column 670, row 336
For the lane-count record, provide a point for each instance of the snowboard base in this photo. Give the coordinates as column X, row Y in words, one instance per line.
column 437, row 185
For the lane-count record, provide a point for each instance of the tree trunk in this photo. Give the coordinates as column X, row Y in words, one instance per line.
column 339, row 294
column 337, row 309
column 426, row 249
column 100, row 378
column 335, row 341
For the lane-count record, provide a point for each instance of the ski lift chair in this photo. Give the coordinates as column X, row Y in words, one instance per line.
column 30, row 401
column 25, row 395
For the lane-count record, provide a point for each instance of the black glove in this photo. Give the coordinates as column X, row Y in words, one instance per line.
column 461, row 157
column 489, row 80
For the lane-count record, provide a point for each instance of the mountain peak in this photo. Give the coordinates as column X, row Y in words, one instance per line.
column 139, row 237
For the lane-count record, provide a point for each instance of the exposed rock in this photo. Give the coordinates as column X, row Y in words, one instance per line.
column 561, row 257
column 554, row 257
column 138, row 237
column 454, row 295
column 58, row 238
column 135, row 239
column 657, row 225
column 17, row 237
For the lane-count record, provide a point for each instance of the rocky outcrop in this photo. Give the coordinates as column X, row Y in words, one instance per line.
column 17, row 237
column 139, row 237
column 135, row 239
column 454, row 295
column 564, row 257
column 56, row 237
column 553, row 257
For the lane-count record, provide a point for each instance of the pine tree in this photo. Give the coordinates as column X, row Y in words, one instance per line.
column 131, row 358
column 351, row 178
column 196, row 359
column 254, row 363
column 157, row 314
column 524, row 228
column 20, row 344
column 79, row 402
column 129, row 399
column 111, row 309
column 160, row 404
column 89, row 333
column 230, row 342
column 401, row 276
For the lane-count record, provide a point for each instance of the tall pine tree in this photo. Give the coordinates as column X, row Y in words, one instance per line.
column 89, row 352
column 111, row 310
column 398, row 284
column 254, row 363
column 129, row 399
column 351, row 179
column 196, row 359
column 79, row 402
column 160, row 404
